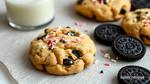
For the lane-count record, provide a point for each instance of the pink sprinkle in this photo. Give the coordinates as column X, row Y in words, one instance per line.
column 79, row 23
column 146, row 22
column 106, row 64
column 50, row 36
column 51, row 42
column 102, row 50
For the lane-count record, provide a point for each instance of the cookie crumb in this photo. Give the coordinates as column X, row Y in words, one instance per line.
column 113, row 60
column 117, row 58
column 107, row 55
column 96, row 62
column 101, row 72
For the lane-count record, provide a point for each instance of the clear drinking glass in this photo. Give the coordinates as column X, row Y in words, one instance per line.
column 29, row 14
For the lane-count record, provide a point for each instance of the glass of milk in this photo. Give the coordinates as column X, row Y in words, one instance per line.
column 29, row 14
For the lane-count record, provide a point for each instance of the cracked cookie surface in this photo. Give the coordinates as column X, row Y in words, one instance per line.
column 103, row 10
column 62, row 51
column 137, row 24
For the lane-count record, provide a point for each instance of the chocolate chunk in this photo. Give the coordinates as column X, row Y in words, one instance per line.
column 122, row 11
column 68, row 61
column 79, row 2
column 71, row 33
column 77, row 53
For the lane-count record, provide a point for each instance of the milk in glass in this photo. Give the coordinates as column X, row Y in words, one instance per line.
column 29, row 14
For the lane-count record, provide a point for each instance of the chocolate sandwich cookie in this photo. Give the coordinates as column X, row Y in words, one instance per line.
column 132, row 74
column 136, row 4
column 106, row 33
column 128, row 48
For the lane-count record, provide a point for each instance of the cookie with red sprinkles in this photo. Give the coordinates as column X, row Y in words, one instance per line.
column 62, row 51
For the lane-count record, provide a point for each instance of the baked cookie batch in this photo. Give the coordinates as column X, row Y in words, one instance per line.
column 65, row 50
column 135, row 23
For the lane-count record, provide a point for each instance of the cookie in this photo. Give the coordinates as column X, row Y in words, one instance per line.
column 137, row 4
column 137, row 24
column 106, row 33
column 133, row 74
column 128, row 48
column 103, row 10
column 62, row 51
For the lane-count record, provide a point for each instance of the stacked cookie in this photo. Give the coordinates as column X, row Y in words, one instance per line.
column 127, row 48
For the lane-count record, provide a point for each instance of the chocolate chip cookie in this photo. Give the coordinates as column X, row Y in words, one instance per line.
column 103, row 10
column 62, row 51
column 137, row 24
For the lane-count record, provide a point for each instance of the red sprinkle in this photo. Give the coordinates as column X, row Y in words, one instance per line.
column 102, row 50
column 106, row 64
column 51, row 41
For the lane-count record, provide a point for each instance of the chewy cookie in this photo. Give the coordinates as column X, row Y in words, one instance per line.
column 103, row 10
column 133, row 74
column 137, row 24
column 62, row 51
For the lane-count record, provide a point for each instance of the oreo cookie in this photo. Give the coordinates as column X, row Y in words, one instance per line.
column 128, row 48
column 132, row 74
column 136, row 4
column 106, row 33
